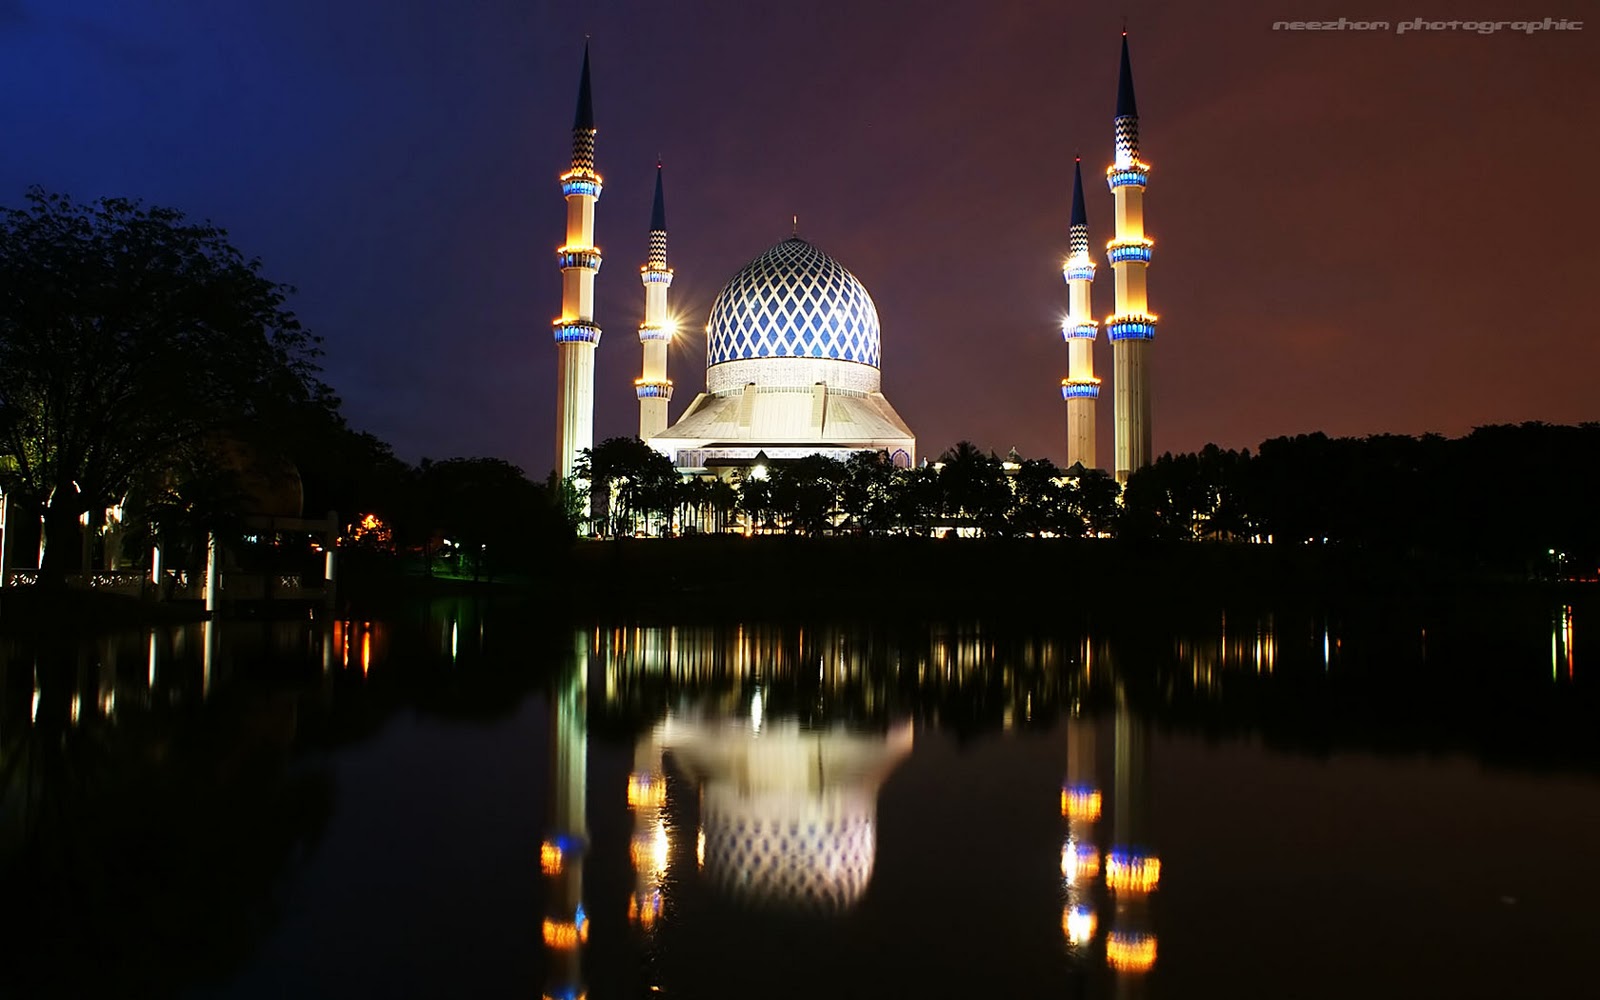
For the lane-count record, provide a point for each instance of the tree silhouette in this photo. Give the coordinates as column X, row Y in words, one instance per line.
column 127, row 335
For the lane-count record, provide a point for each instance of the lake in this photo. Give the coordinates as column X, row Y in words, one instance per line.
column 467, row 797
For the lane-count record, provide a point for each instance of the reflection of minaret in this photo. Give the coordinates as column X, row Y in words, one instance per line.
column 566, row 927
column 649, row 848
column 576, row 331
column 653, row 387
column 1131, row 328
column 1080, row 388
column 1081, row 802
column 1132, row 869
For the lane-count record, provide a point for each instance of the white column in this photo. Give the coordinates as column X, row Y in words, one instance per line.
column 211, row 576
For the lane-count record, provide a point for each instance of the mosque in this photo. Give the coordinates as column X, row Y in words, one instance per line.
column 793, row 344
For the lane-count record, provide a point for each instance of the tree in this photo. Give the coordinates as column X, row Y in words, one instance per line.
column 491, row 513
column 127, row 336
column 1040, row 499
column 629, row 478
column 805, row 492
column 976, row 492
column 1095, row 497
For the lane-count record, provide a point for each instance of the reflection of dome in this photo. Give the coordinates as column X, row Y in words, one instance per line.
column 793, row 316
column 815, row 853
column 789, row 815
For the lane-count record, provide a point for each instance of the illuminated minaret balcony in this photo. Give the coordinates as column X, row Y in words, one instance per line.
column 586, row 184
column 576, row 331
column 1131, row 326
column 582, row 258
column 1085, row 330
column 649, row 332
column 1134, row 174
column 1078, row 269
column 652, row 390
column 1129, row 251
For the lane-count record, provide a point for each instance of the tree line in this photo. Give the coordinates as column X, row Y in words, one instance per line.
column 1390, row 494
column 150, row 371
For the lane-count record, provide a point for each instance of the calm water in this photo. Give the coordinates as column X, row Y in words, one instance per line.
column 465, row 801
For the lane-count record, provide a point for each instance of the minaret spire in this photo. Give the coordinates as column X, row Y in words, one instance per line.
column 576, row 332
column 653, row 387
column 1080, row 389
column 584, row 119
column 1132, row 327
column 1127, row 107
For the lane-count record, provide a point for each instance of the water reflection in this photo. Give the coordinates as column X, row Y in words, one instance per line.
column 701, row 779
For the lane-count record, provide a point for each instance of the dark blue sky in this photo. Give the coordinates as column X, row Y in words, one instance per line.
column 1355, row 232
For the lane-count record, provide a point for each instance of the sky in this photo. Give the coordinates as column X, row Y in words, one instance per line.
column 1356, row 232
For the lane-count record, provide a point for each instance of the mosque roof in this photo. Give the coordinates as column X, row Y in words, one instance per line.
column 793, row 301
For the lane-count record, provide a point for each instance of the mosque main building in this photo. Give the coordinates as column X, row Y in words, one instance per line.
column 793, row 344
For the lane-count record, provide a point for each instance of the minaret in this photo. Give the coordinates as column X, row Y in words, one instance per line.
column 1080, row 388
column 1131, row 328
column 655, row 333
column 576, row 332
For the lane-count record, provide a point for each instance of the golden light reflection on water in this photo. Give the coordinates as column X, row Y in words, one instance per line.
column 1561, row 644
column 1081, row 804
column 1132, row 873
column 1130, row 952
column 1078, row 923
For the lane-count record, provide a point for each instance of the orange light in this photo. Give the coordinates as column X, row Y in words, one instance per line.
column 1132, row 873
column 644, row 909
column 646, row 789
column 1081, row 805
column 551, row 859
column 564, row 934
column 1130, row 952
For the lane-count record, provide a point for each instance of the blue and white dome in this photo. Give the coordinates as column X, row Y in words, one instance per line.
column 793, row 317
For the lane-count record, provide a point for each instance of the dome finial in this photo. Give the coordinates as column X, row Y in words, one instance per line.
column 794, row 225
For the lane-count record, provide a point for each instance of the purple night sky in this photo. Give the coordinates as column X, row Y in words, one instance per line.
column 1356, row 232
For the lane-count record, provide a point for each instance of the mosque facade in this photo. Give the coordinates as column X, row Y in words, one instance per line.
column 793, row 347
column 794, row 344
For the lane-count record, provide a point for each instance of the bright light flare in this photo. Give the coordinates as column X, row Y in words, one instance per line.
column 1078, row 924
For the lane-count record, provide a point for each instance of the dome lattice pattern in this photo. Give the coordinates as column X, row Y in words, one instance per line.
column 794, row 301
column 818, row 862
